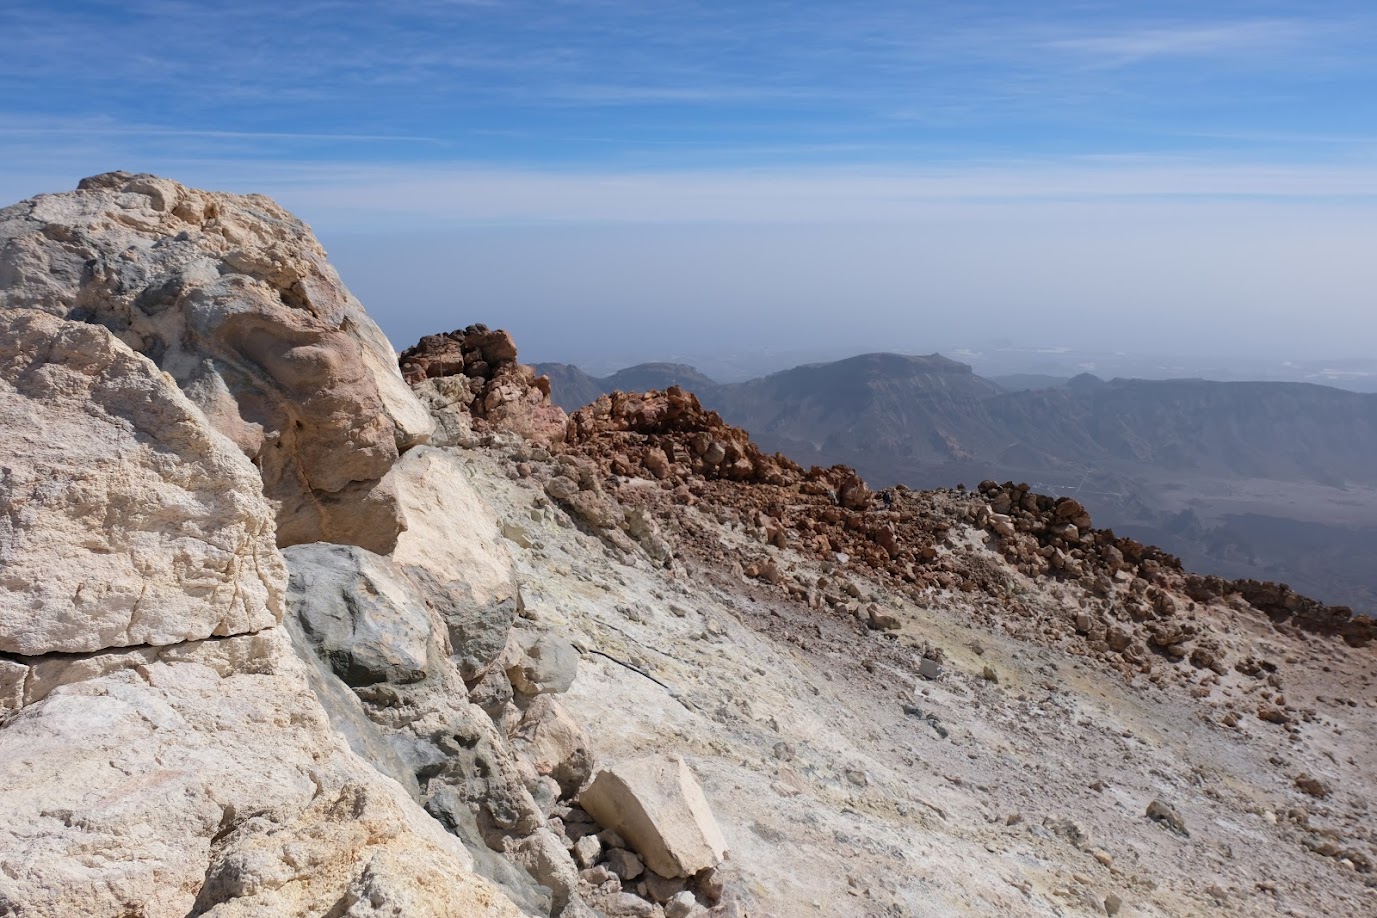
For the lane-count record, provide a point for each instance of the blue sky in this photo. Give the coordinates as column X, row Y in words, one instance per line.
column 655, row 168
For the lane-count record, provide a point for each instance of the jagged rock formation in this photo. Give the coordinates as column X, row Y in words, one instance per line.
column 473, row 373
column 627, row 665
column 160, row 750
column 234, row 298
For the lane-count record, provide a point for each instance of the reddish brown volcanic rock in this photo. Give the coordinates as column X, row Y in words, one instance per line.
column 1138, row 601
column 496, row 391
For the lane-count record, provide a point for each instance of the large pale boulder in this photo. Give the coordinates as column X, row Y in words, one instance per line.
column 234, row 298
column 197, row 783
column 657, row 805
column 124, row 517
column 452, row 548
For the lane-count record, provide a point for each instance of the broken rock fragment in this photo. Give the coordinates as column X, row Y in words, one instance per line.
column 547, row 664
column 657, row 805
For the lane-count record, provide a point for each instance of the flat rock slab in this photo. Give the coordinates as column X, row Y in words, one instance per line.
column 657, row 805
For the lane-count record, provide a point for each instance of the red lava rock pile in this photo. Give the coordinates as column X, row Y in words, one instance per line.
column 476, row 369
column 697, row 457
column 1040, row 535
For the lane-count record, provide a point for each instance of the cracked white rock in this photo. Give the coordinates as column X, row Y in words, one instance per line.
column 205, row 783
column 234, row 298
column 127, row 519
column 657, row 805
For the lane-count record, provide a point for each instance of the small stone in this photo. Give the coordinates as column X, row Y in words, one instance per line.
column 1112, row 904
column 662, row 889
column 1312, row 786
column 624, row 864
column 710, row 885
column 587, row 850
column 596, row 876
column 561, row 488
column 630, row 905
column 884, row 621
column 1165, row 815
column 681, row 905
column 547, row 664
column 1072, row 831
column 611, row 839
column 1104, row 857
column 929, row 668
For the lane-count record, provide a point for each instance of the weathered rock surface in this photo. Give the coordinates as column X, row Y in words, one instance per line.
column 126, row 518
column 452, row 548
column 545, row 664
column 119, row 791
column 357, row 611
column 657, row 805
column 555, row 744
column 234, row 298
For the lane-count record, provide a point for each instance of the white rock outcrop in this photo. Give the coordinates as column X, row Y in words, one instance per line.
column 164, row 751
column 452, row 547
column 234, row 298
column 657, row 805
column 209, row 785
column 127, row 518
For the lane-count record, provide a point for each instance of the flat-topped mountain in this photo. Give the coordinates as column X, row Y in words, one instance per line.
column 933, row 409
column 1259, row 468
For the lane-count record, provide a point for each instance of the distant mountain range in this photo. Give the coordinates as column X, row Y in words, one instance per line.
column 1266, row 479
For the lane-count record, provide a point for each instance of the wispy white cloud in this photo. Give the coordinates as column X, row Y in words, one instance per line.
column 44, row 128
column 476, row 194
column 414, row 194
column 1133, row 45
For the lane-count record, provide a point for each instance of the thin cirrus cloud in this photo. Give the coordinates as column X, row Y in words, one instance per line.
column 1223, row 39
column 1204, row 151
column 466, row 195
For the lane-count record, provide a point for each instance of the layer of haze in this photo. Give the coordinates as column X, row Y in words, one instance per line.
column 1229, row 281
column 621, row 181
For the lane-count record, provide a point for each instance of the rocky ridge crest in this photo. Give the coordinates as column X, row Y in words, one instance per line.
column 238, row 682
